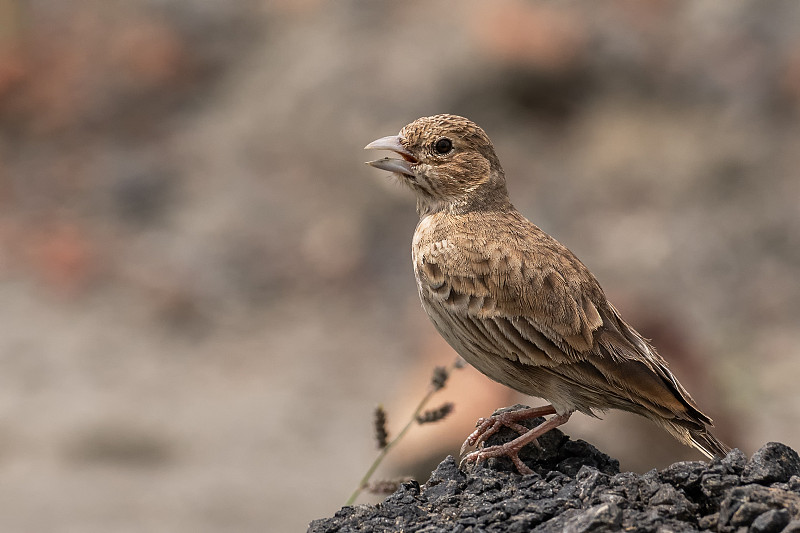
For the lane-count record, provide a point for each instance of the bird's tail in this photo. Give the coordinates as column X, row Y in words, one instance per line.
column 708, row 444
column 695, row 434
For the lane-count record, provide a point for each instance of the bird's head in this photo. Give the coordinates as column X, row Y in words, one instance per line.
column 447, row 160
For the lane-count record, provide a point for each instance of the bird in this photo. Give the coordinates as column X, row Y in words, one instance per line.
column 518, row 305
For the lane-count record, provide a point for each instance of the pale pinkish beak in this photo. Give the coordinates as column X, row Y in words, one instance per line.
column 395, row 144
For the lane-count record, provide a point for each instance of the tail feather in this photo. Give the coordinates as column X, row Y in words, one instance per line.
column 694, row 434
column 708, row 444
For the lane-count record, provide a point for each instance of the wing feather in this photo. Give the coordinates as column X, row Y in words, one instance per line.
column 542, row 307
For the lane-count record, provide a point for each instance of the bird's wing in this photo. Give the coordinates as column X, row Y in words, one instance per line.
column 521, row 301
column 540, row 305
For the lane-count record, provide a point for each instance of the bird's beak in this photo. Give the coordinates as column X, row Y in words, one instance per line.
column 393, row 143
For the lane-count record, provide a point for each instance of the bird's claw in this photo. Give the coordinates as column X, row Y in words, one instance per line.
column 503, row 450
column 486, row 427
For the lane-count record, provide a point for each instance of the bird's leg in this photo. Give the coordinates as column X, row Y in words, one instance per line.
column 489, row 426
column 511, row 449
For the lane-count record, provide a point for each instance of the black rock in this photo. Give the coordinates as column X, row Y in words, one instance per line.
column 742, row 505
column 773, row 462
column 772, row 521
column 577, row 488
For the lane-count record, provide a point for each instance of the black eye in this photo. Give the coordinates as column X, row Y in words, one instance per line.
column 443, row 145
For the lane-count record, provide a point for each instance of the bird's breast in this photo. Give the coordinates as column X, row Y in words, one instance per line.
column 426, row 227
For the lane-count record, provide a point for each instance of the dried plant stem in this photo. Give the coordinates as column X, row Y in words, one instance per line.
column 433, row 389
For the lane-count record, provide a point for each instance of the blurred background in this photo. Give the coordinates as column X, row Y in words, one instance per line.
column 205, row 292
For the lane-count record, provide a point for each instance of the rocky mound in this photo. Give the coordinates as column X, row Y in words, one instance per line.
column 576, row 488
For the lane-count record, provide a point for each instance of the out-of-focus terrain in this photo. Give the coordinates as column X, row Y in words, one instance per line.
column 205, row 292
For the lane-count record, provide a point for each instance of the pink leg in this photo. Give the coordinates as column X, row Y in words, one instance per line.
column 511, row 449
column 489, row 426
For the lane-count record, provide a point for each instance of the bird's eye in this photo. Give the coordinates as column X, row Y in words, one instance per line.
column 443, row 145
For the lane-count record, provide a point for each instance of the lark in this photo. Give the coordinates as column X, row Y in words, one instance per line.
column 518, row 305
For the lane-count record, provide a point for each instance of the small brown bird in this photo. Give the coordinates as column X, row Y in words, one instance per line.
column 518, row 305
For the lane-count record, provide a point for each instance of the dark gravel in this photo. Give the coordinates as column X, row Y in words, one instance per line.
column 577, row 488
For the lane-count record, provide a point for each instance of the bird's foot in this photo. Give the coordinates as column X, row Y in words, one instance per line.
column 486, row 427
column 502, row 450
column 512, row 448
